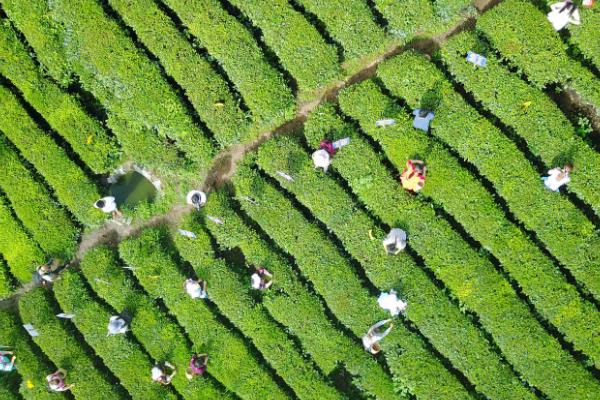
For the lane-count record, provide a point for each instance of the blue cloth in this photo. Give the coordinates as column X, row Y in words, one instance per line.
column 476, row 59
column 422, row 123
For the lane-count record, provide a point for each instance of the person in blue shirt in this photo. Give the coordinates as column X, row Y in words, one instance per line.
column 422, row 118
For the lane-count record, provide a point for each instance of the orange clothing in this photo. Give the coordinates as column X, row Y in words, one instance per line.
column 411, row 178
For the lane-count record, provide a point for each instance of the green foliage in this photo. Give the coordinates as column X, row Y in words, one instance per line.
column 144, row 111
column 261, row 86
column 415, row 369
column 231, row 362
column 433, row 314
column 559, row 224
column 205, row 89
column 6, row 285
column 153, row 328
column 300, row 48
column 31, row 366
column 123, row 356
column 233, row 296
column 469, row 277
column 58, row 342
column 357, row 32
column 542, row 125
column 412, row 18
column 527, row 40
column 585, row 36
column 70, row 184
column 62, row 111
column 47, row 222
column 295, row 306
column 537, row 276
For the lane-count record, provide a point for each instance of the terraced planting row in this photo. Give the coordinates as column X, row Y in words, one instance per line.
column 534, row 273
column 500, row 275
column 525, row 39
column 499, row 160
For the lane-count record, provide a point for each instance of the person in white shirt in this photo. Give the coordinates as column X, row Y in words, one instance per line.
column 390, row 302
column 196, row 198
column 117, row 325
column 557, row 177
column 321, row 159
column 161, row 375
column 395, row 241
column 261, row 279
column 562, row 14
column 375, row 334
column 196, row 288
column 108, row 205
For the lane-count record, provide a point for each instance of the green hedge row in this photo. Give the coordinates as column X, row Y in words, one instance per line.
column 31, row 367
column 469, row 276
column 6, row 286
column 123, row 356
column 21, row 253
column 262, row 87
column 295, row 306
column 143, row 109
column 201, row 84
column 249, row 317
column 564, row 229
column 63, row 112
column 422, row 18
column 441, row 322
column 298, row 45
column 548, row 133
column 7, row 390
column 415, row 369
column 70, row 184
column 231, row 361
column 527, row 40
column 47, row 221
column 545, row 286
column 65, row 351
column 585, row 36
column 163, row 339
column 357, row 32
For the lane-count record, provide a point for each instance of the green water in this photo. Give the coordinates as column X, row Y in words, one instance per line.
column 131, row 189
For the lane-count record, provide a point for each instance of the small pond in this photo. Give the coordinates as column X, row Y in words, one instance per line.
column 131, row 189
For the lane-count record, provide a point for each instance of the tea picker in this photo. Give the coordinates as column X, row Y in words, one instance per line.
column 563, row 13
column 196, row 288
column 48, row 273
column 557, row 177
column 118, row 324
column 163, row 373
column 390, row 302
column 196, row 198
column 56, row 381
column 422, row 119
column 108, row 205
column 7, row 361
column 322, row 157
column 261, row 279
column 376, row 334
column 413, row 176
column 395, row 241
column 197, row 366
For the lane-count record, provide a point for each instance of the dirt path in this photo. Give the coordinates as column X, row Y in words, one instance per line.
column 225, row 163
